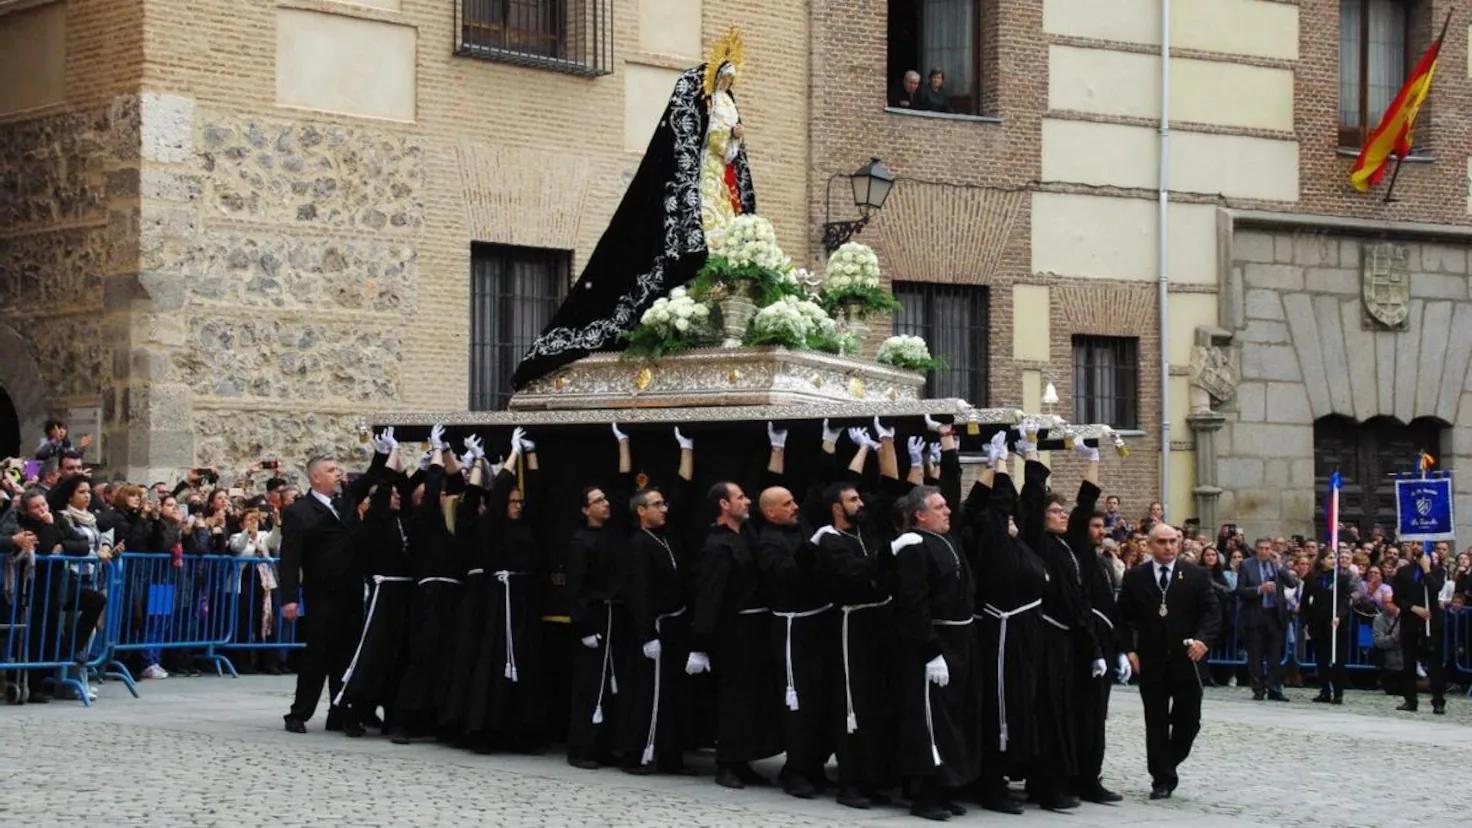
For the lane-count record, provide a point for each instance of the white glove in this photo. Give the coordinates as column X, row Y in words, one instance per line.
column 518, row 434
column 381, row 445
column 1122, row 671
column 907, row 539
column 777, row 437
column 686, row 443
column 697, row 663
column 818, row 535
column 1027, row 442
column 916, row 445
column 437, row 437
column 651, row 648
column 425, row 459
column 935, row 453
column 619, row 435
column 1087, row 452
column 884, row 433
column 996, row 449
column 590, row 641
column 932, row 424
column 1098, row 668
column 388, row 437
column 830, row 435
column 936, row 671
column 466, row 460
column 860, row 437
column 475, row 447
column 527, row 445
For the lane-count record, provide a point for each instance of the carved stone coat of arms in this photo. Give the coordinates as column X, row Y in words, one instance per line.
column 1387, row 284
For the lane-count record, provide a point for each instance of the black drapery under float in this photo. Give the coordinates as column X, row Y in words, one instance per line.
column 653, row 244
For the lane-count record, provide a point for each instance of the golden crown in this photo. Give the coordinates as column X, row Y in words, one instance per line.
column 728, row 48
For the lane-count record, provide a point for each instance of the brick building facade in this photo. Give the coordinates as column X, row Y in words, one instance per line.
column 231, row 228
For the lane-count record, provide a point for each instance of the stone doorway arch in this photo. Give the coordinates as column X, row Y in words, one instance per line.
column 23, row 391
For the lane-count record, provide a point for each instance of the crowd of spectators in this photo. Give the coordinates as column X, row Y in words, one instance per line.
column 53, row 504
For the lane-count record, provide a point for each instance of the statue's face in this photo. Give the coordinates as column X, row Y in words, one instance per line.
column 725, row 78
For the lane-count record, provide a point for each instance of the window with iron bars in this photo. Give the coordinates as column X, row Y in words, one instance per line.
column 1106, row 380
column 573, row 36
column 953, row 320
column 514, row 291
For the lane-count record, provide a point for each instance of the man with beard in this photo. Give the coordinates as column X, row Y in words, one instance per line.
column 859, row 578
column 1071, row 650
column 934, row 595
column 653, row 713
column 594, row 577
column 1011, row 631
column 1168, row 619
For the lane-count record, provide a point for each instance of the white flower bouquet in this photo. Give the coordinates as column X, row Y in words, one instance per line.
column 795, row 323
column 672, row 323
column 744, row 258
column 909, row 352
column 852, row 280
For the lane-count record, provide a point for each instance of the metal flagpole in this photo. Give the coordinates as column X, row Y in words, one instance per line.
column 1334, row 483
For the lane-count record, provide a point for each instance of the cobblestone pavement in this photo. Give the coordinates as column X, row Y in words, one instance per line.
column 211, row 751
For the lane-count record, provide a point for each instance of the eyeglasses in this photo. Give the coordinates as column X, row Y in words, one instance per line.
column 657, row 504
column 595, row 501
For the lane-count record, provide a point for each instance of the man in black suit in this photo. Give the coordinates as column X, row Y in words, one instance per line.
column 318, row 559
column 1260, row 585
column 1168, row 619
column 1417, row 585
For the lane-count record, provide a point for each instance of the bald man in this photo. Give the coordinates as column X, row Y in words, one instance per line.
column 804, row 638
column 1168, row 620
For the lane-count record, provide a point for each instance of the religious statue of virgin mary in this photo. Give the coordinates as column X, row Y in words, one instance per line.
column 694, row 178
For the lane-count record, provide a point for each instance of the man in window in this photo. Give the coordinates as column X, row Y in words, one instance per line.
column 933, row 97
column 905, row 91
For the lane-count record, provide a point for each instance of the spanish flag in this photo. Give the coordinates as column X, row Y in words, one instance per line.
column 1394, row 134
column 1427, row 461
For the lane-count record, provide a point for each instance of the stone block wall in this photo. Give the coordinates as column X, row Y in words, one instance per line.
column 1309, row 350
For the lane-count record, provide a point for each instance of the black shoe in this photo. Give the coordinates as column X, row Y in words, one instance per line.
column 932, row 810
column 584, row 762
column 1322, row 698
column 745, row 773
column 1258, row 695
column 1061, row 802
column 292, row 725
column 353, row 730
column 270, row 670
column 800, row 788
column 1406, row 707
column 1001, row 804
column 332, row 725
column 1439, row 709
column 400, row 737
column 1159, row 792
column 371, row 720
column 853, row 798
column 1337, row 700
column 878, row 798
column 1277, row 695
column 727, row 777
column 1099, row 795
column 639, row 770
column 955, row 808
column 39, row 698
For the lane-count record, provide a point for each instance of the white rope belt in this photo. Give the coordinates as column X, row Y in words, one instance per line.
column 790, row 617
column 438, row 579
column 848, row 693
column 1059, row 624
column 753, row 611
column 509, row 671
column 946, row 622
column 929, row 724
column 378, row 581
column 654, row 713
column 392, row 579
column 1102, row 617
column 606, row 675
column 475, row 572
column 1003, row 617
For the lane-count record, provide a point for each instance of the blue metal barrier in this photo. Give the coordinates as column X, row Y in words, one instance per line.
column 57, row 624
column 1458, row 632
column 1361, row 644
column 259, row 624
column 185, row 603
column 1229, row 650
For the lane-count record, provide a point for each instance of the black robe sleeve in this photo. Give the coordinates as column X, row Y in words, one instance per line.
column 710, row 590
column 912, row 602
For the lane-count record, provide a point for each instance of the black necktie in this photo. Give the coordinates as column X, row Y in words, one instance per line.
column 1164, row 580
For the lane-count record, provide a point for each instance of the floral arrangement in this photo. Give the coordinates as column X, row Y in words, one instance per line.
column 744, row 254
column 795, row 323
column 909, row 352
column 671, row 324
column 852, row 279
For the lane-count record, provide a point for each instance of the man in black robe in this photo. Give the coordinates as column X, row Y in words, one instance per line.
column 1010, row 596
column 657, row 648
column 595, row 564
column 653, row 244
column 1417, row 586
column 934, row 595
